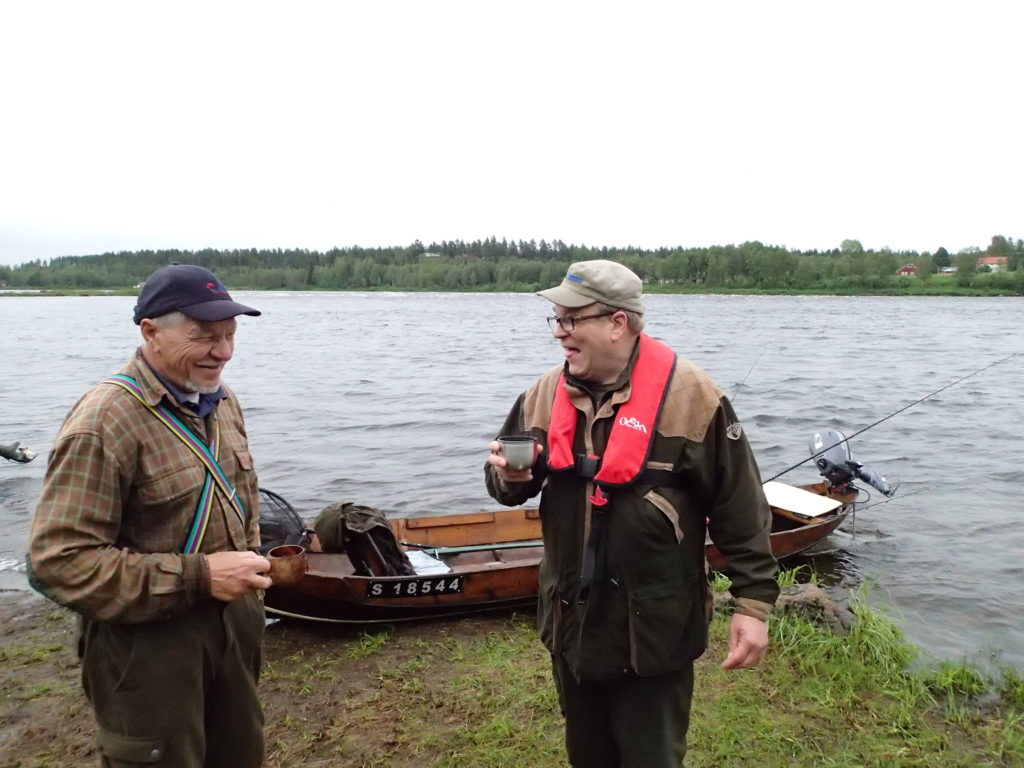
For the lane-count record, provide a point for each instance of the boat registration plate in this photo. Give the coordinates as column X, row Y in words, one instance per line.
column 424, row 586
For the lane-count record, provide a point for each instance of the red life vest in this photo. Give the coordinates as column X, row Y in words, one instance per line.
column 629, row 443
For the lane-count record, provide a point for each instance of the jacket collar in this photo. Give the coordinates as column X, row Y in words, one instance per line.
column 156, row 387
column 599, row 392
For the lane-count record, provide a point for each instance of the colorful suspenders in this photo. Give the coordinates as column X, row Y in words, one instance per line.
column 207, row 455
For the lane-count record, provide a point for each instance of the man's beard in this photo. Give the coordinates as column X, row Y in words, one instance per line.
column 191, row 386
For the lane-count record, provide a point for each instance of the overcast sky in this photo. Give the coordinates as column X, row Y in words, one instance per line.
column 138, row 125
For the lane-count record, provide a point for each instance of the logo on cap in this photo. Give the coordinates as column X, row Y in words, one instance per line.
column 573, row 278
column 214, row 289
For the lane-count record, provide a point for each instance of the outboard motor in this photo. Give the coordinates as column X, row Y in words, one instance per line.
column 17, row 452
column 836, row 463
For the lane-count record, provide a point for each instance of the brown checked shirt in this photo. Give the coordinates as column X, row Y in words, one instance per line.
column 118, row 502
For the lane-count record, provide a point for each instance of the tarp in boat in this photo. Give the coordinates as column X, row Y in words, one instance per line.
column 363, row 533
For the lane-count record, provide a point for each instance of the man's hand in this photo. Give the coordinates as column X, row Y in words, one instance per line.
column 507, row 475
column 236, row 574
column 748, row 640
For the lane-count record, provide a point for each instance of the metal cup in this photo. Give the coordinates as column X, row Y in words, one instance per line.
column 287, row 563
column 518, row 450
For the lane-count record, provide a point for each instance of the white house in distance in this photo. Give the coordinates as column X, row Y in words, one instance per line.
column 994, row 263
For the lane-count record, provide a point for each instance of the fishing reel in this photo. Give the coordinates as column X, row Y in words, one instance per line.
column 835, row 463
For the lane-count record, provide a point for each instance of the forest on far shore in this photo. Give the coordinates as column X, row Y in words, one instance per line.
column 508, row 265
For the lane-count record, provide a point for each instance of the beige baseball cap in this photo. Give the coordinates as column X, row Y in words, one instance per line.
column 599, row 280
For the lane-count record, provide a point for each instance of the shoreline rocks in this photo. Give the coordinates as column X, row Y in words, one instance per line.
column 809, row 601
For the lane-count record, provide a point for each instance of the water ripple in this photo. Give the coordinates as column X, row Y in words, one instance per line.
column 379, row 398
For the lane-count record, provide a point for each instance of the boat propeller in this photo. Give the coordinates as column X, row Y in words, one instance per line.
column 831, row 452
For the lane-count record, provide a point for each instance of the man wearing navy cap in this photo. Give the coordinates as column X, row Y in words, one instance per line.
column 147, row 528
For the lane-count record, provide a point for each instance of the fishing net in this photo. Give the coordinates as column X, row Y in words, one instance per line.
column 279, row 523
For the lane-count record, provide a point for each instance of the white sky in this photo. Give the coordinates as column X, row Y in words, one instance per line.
column 134, row 125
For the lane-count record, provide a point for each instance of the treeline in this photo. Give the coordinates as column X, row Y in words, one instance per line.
column 503, row 265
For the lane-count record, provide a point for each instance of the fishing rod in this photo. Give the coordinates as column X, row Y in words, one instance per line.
column 894, row 498
column 894, row 413
column 744, row 382
column 856, row 509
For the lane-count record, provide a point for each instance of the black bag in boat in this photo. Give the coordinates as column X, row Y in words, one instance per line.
column 364, row 535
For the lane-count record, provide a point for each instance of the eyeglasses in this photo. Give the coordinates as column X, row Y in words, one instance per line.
column 568, row 323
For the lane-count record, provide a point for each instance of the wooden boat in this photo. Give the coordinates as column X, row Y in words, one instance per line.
column 490, row 560
column 801, row 517
column 479, row 561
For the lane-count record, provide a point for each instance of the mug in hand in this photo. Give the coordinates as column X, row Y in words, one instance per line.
column 518, row 450
column 287, row 563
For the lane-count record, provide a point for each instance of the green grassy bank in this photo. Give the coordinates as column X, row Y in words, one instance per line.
column 476, row 693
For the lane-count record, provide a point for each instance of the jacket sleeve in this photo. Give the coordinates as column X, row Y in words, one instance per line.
column 74, row 557
column 739, row 520
column 514, row 494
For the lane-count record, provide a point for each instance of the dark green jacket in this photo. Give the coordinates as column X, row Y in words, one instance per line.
column 648, row 613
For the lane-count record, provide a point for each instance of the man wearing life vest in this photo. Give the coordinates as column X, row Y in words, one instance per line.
column 638, row 454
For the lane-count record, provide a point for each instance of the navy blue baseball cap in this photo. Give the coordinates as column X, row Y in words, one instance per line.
column 194, row 291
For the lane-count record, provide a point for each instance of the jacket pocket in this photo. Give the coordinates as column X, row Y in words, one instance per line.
column 244, row 459
column 549, row 611
column 667, row 627
column 129, row 750
column 167, row 489
column 664, row 506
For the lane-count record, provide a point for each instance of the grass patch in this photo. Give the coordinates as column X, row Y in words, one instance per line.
column 478, row 692
column 825, row 700
column 1011, row 688
column 369, row 643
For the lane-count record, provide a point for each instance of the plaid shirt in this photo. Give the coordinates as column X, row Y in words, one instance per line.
column 119, row 498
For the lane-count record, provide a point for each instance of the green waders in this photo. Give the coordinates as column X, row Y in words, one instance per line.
column 179, row 693
column 628, row 722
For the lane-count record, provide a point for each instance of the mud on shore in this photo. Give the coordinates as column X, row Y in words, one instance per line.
column 332, row 695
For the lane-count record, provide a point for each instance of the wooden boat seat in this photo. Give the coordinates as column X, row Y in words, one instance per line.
column 799, row 505
column 481, row 557
column 518, row 555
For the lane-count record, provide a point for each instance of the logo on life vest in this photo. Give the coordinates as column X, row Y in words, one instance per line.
column 633, row 423
column 733, row 431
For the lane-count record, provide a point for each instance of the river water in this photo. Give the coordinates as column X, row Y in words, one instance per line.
column 389, row 399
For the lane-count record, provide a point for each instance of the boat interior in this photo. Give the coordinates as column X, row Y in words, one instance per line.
column 469, row 541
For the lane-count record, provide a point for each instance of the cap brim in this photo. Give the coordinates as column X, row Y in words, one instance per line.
column 566, row 297
column 212, row 311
